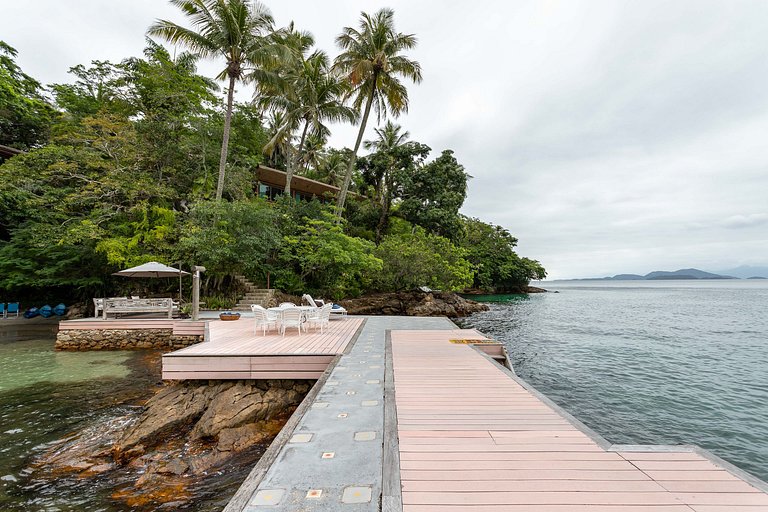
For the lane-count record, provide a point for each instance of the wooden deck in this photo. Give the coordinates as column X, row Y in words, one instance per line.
column 472, row 438
column 233, row 351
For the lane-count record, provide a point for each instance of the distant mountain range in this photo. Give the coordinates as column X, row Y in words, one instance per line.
column 743, row 272
column 746, row 272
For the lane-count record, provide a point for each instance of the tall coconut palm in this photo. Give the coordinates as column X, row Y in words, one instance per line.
column 241, row 31
column 373, row 63
column 309, row 96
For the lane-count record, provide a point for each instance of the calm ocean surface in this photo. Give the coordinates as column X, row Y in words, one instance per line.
column 681, row 362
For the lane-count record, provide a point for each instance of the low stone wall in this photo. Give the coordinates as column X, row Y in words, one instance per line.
column 122, row 339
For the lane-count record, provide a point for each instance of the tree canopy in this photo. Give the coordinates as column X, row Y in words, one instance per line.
column 124, row 164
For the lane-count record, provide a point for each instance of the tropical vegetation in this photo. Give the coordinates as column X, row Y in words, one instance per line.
column 141, row 160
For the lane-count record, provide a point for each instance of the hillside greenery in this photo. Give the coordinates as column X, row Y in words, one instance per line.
column 123, row 165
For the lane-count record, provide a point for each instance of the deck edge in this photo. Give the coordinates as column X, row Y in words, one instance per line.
column 391, row 487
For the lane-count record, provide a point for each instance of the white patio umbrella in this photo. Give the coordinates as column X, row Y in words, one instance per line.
column 151, row 269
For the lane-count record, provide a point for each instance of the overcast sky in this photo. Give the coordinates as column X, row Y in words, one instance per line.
column 607, row 136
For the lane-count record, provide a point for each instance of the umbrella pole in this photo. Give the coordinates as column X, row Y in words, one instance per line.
column 180, row 285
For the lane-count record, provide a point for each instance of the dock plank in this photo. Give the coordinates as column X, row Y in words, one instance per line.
column 471, row 437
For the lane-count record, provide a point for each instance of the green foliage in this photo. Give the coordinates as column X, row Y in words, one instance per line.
column 217, row 302
column 25, row 115
column 323, row 259
column 413, row 258
column 434, row 195
column 233, row 237
column 490, row 249
column 99, row 88
column 390, row 171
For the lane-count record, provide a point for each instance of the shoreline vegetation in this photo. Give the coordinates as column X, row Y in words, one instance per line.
column 139, row 160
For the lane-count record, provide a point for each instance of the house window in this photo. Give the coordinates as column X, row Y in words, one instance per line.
column 270, row 192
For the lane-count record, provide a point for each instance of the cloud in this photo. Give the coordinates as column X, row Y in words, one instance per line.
column 607, row 136
column 746, row 221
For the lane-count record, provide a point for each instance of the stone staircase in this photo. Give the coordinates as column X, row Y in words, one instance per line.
column 253, row 295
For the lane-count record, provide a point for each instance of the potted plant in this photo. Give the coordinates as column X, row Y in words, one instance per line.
column 229, row 315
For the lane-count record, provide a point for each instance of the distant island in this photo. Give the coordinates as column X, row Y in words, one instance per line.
column 664, row 275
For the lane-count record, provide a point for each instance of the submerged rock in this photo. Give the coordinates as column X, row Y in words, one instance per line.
column 414, row 303
column 184, row 431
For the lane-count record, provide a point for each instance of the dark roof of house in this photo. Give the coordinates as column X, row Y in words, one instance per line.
column 276, row 177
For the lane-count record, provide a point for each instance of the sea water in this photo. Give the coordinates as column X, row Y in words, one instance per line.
column 46, row 396
column 672, row 362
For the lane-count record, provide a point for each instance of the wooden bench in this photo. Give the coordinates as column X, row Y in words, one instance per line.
column 117, row 306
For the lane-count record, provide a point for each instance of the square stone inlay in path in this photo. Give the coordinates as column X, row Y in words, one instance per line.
column 356, row 495
column 267, row 497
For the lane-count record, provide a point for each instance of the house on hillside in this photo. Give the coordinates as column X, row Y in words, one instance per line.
column 270, row 183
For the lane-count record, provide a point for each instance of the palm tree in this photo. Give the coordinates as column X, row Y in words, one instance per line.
column 371, row 60
column 312, row 152
column 333, row 166
column 389, row 138
column 308, row 96
column 241, row 31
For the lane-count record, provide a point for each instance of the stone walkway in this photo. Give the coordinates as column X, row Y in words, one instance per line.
column 333, row 461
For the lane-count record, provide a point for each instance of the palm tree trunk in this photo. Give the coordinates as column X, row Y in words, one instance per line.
column 382, row 225
column 353, row 159
column 294, row 162
column 225, row 139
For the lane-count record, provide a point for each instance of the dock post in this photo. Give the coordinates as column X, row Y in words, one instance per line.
column 196, row 291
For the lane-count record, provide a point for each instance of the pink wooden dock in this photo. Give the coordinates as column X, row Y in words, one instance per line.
column 472, row 438
column 233, row 351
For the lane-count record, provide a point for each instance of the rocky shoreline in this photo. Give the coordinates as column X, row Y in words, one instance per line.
column 185, row 431
column 413, row 303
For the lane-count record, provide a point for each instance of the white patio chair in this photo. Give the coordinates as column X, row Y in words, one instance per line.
column 263, row 319
column 291, row 317
column 322, row 318
column 287, row 305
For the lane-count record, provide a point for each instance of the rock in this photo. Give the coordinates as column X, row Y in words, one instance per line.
column 186, row 430
column 175, row 406
column 173, row 467
column 414, row 303
column 239, row 404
